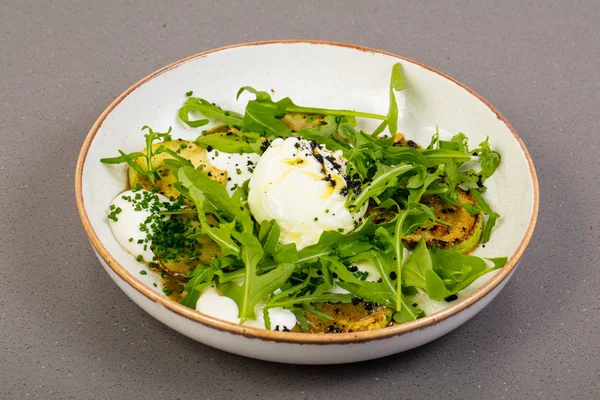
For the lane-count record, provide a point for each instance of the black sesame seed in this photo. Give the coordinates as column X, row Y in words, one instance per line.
column 265, row 145
column 451, row 298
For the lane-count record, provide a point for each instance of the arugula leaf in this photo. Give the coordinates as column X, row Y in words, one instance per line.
column 232, row 142
column 300, row 318
column 418, row 272
column 325, row 133
column 407, row 312
column 214, row 197
column 201, row 278
column 462, row 142
column 268, row 234
column 255, row 287
column 442, row 273
column 131, row 158
column 331, row 241
column 415, row 195
column 263, row 118
column 260, row 286
column 309, row 308
column 492, row 216
column 396, row 83
column 440, row 156
column 292, row 296
column 263, row 114
column 458, row 270
column 300, row 295
column 435, row 139
column 122, row 158
column 209, row 110
column 489, row 159
column 380, row 128
column 385, row 177
column 384, row 292
column 221, row 235
column 260, row 95
column 451, row 178
column 286, row 253
column 313, row 298
column 399, row 233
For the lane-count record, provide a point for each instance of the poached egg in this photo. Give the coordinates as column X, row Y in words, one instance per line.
column 302, row 185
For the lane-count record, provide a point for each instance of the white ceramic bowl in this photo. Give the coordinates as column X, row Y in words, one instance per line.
column 318, row 74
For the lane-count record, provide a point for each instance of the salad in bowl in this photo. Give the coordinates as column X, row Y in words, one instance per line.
column 289, row 218
column 306, row 202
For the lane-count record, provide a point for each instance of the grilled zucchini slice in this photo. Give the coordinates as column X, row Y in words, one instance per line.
column 464, row 233
column 297, row 121
column 186, row 149
column 351, row 317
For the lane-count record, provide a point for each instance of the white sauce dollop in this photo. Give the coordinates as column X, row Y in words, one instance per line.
column 213, row 304
column 300, row 186
column 222, row 307
column 126, row 228
column 239, row 167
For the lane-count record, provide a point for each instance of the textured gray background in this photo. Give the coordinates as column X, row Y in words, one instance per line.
column 67, row 331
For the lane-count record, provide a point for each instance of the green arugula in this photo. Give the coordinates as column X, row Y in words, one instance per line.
column 208, row 110
column 489, row 159
column 384, row 178
column 130, row 158
column 255, row 287
column 201, row 277
column 442, row 273
column 396, row 83
column 232, row 142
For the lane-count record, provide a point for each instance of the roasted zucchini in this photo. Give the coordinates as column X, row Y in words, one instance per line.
column 296, row 121
column 351, row 317
column 463, row 234
column 189, row 150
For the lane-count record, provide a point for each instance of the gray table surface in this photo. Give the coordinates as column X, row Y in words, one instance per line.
column 67, row 331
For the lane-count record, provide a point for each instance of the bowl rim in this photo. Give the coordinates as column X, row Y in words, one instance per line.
column 292, row 337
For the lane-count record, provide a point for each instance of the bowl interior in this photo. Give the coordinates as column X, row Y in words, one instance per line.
column 319, row 75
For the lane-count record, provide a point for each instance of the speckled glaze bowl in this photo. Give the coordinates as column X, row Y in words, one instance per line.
column 318, row 74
